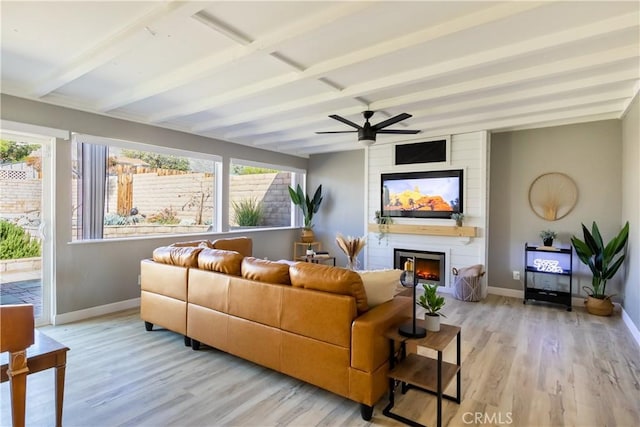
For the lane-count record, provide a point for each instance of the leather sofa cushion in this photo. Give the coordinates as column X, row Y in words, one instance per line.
column 243, row 245
column 227, row 262
column 181, row 256
column 263, row 270
column 194, row 243
column 327, row 278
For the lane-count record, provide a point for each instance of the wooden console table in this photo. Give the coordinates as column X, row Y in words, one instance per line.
column 421, row 372
column 45, row 353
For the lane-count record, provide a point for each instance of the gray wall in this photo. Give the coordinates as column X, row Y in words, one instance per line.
column 591, row 154
column 631, row 208
column 92, row 274
column 342, row 211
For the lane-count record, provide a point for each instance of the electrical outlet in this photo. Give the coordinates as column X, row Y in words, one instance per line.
column 516, row 275
column 139, row 280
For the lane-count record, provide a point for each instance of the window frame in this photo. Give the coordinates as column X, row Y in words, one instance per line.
column 79, row 138
column 298, row 176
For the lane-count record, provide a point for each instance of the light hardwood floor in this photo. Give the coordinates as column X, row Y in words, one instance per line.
column 522, row 365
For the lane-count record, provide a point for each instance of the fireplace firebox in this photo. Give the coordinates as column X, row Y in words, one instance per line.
column 429, row 266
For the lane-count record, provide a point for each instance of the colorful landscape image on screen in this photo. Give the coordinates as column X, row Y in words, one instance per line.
column 421, row 195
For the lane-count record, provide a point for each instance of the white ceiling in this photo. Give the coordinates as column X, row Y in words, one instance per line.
column 267, row 74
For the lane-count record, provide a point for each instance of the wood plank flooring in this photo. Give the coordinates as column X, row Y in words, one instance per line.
column 522, row 365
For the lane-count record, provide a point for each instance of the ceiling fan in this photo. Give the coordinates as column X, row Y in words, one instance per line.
column 367, row 133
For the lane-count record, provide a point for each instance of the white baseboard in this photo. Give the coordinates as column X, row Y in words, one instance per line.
column 518, row 293
column 101, row 310
column 631, row 326
column 513, row 293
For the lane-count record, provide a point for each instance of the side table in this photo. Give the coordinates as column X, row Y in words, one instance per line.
column 318, row 259
column 45, row 353
column 422, row 372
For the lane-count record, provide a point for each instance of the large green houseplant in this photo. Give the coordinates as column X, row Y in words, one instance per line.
column 308, row 206
column 603, row 261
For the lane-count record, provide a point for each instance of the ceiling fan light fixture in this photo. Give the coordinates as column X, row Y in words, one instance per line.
column 367, row 142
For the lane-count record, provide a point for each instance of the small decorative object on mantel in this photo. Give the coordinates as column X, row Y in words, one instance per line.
column 433, row 303
column 458, row 217
column 547, row 237
column 351, row 246
column 383, row 222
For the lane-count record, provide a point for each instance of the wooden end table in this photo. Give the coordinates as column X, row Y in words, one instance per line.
column 45, row 353
column 318, row 259
column 422, row 372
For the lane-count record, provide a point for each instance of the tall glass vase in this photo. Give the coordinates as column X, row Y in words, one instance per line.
column 352, row 263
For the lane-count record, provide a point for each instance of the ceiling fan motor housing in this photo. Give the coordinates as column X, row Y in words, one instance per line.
column 366, row 135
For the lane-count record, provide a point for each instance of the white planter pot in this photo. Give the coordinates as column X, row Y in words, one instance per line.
column 432, row 323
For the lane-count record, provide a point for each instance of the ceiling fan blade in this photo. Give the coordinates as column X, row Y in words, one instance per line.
column 340, row 131
column 403, row 131
column 345, row 121
column 391, row 121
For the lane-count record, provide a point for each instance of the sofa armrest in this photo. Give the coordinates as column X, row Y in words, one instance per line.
column 369, row 347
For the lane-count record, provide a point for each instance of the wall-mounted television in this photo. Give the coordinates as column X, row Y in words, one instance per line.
column 431, row 194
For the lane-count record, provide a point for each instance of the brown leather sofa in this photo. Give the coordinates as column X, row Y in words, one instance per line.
column 309, row 321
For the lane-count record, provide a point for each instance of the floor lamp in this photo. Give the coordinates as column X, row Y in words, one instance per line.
column 412, row 330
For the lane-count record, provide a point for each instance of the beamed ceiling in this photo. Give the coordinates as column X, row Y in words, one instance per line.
column 267, row 74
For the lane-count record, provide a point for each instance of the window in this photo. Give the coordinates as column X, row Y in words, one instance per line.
column 123, row 189
column 259, row 195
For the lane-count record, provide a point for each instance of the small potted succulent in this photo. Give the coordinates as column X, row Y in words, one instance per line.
column 432, row 303
column 458, row 217
column 547, row 237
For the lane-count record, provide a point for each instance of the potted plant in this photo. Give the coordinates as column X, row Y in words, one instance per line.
column 458, row 217
column 432, row 303
column 383, row 222
column 547, row 237
column 603, row 261
column 308, row 206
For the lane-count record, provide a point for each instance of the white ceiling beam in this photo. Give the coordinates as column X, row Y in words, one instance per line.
column 120, row 41
column 592, row 82
column 469, row 62
column 473, row 87
column 462, row 23
column 537, row 120
column 499, row 125
column 531, row 107
column 492, row 112
column 204, row 67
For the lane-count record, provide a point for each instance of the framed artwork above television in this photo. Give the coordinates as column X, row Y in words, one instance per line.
column 428, row 194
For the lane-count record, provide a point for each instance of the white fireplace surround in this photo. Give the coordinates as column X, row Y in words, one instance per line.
column 468, row 152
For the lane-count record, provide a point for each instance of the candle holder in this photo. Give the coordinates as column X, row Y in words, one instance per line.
column 411, row 330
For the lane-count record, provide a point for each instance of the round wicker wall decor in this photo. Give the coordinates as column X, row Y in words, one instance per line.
column 553, row 195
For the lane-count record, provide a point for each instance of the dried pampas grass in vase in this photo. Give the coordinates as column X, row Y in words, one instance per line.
column 351, row 246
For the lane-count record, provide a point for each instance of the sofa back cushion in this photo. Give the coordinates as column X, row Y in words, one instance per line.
column 255, row 301
column 326, row 278
column 262, row 270
column 181, row 256
column 322, row 316
column 196, row 243
column 227, row 262
column 243, row 245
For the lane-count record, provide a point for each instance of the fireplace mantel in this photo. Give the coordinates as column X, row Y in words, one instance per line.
column 428, row 230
